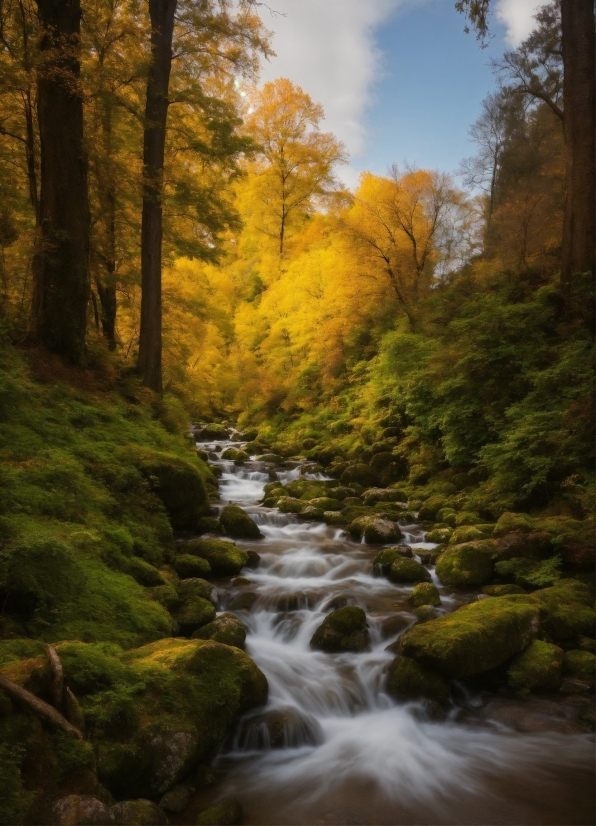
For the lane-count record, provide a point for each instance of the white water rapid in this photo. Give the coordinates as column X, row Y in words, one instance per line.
column 345, row 751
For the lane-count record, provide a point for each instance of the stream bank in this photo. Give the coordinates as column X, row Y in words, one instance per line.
column 331, row 745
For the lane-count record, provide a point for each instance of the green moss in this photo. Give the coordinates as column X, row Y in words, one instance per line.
column 438, row 535
column 511, row 522
column 224, row 557
column 408, row 570
column 565, row 610
column 342, row 630
column 425, row 593
column 502, row 590
column 409, row 680
column 466, row 533
column 238, row 524
column 193, row 613
column 227, row 812
column 580, row 665
column 226, row 629
column 431, row 506
column 14, row 798
column 538, row 667
column 475, row 638
column 326, row 503
column 469, row 564
column 447, row 515
column 189, row 565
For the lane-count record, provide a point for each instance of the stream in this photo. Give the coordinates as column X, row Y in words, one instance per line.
column 344, row 752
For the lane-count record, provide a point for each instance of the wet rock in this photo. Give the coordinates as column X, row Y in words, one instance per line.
column 226, row 629
column 429, row 556
column 142, row 812
column 375, row 530
column 212, row 433
column 387, row 557
column 228, row 812
column 425, row 594
column 176, row 800
column 243, row 602
column 224, row 557
column 254, row 559
column 538, row 667
column 229, row 454
column 293, row 602
column 475, row 638
column 334, row 518
column 405, row 570
column 270, row 458
column 345, row 629
column 326, row 503
column 469, row 564
column 394, row 624
column 238, row 524
column 531, row 717
column 425, row 613
column 287, row 504
column 408, row 680
column 279, row 728
column 241, row 581
column 571, row 686
column 311, row 514
column 81, row 810
column 188, row 566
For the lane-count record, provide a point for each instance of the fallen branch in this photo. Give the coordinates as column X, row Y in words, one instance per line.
column 40, row 708
column 57, row 676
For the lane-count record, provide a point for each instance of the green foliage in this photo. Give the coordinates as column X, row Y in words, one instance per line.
column 13, row 797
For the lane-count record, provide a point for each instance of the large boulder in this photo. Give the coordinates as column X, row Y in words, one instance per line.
column 237, row 523
column 385, row 558
column 359, row 473
column 527, row 544
column 404, row 570
column 342, row 630
column 226, row 629
column 373, row 496
column 159, row 710
column 409, row 680
column 469, row 564
column 475, row 638
column 565, row 610
column 224, row 557
column 538, row 667
column 375, row 529
column 81, row 810
column 177, row 482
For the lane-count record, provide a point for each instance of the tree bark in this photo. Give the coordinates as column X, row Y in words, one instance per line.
column 40, row 707
column 161, row 13
column 579, row 124
column 61, row 290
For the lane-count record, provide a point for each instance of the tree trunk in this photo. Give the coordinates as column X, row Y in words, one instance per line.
column 161, row 13
column 579, row 123
column 61, row 290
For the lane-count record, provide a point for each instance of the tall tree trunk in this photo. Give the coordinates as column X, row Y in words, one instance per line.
column 579, row 123
column 61, row 290
column 161, row 13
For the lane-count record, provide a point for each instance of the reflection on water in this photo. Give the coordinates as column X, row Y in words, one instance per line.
column 331, row 746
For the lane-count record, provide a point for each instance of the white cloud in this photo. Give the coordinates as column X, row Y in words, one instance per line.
column 328, row 48
column 518, row 18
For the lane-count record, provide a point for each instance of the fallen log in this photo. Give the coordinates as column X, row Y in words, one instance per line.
column 39, row 707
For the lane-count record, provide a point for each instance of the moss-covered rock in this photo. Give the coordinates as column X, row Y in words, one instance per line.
column 469, row 564
column 526, row 544
column 212, row 432
column 237, row 523
column 224, row 557
column 288, row 504
column 342, row 630
column 177, row 482
column 360, row 473
column 425, row 613
column 177, row 799
column 502, row 590
column 565, row 610
column 579, row 665
column 373, row 496
column 187, row 565
column 143, row 572
column 538, row 667
column 425, row 593
column 326, row 503
column 193, row 613
column 226, row 629
column 475, row 638
column 465, row 533
column 334, row 518
column 439, row 535
column 375, row 530
column 429, row 508
column 409, row 680
column 385, row 558
column 75, row 809
column 513, row 522
column 404, row 570
column 447, row 515
column 138, row 812
column 154, row 712
column 228, row 812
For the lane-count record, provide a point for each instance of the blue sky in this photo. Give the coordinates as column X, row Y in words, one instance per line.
column 399, row 79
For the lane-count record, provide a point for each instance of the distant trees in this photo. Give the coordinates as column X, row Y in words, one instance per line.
column 295, row 166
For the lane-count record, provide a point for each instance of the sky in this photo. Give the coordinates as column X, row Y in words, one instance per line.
column 400, row 80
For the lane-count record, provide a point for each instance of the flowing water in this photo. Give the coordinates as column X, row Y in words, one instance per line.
column 331, row 747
